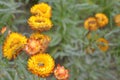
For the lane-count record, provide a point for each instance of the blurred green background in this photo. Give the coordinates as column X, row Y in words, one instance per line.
column 69, row 41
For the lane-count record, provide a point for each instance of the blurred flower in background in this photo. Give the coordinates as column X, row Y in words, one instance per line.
column 2, row 31
column 102, row 44
column 102, row 19
column 117, row 19
column 91, row 24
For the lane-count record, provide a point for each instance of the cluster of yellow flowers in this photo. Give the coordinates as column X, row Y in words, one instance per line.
column 93, row 23
column 41, row 17
column 39, row 63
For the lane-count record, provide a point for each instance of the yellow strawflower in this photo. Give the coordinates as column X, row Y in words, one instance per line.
column 13, row 44
column 39, row 23
column 102, row 19
column 41, row 9
column 91, row 24
column 41, row 64
column 102, row 44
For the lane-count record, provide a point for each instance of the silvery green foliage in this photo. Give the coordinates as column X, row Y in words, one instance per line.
column 69, row 40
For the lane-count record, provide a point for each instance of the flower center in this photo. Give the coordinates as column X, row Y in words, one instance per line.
column 41, row 64
column 39, row 21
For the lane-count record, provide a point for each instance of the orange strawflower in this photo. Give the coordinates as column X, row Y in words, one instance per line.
column 37, row 43
column 117, row 20
column 3, row 29
column 32, row 46
column 102, row 44
column 91, row 24
column 102, row 19
column 61, row 73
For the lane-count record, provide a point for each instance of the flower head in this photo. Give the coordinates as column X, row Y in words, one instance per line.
column 61, row 73
column 41, row 9
column 39, row 23
column 117, row 20
column 102, row 44
column 37, row 43
column 13, row 44
column 102, row 19
column 91, row 24
column 32, row 46
column 41, row 64
column 3, row 29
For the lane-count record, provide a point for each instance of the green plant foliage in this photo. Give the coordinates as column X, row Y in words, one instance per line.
column 69, row 39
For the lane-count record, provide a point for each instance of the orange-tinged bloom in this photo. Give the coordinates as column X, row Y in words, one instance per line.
column 61, row 73
column 117, row 20
column 102, row 44
column 3, row 30
column 33, row 46
column 43, row 39
column 91, row 24
column 41, row 64
column 37, row 43
column 102, row 19
column 41, row 9
column 40, row 23
column 13, row 44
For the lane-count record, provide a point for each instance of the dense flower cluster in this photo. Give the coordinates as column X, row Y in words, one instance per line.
column 93, row 23
column 41, row 17
column 40, row 63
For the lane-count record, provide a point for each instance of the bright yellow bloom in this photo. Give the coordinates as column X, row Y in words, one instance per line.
column 102, row 44
column 13, row 44
column 37, row 43
column 91, row 24
column 102, row 19
column 39, row 23
column 41, row 9
column 117, row 20
column 41, row 64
